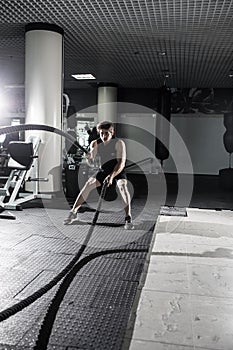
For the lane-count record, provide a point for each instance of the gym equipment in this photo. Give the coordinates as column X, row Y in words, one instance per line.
column 16, row 128
column 23, row 161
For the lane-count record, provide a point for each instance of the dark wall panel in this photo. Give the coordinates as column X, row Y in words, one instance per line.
column 83, row 98
column 144, row 97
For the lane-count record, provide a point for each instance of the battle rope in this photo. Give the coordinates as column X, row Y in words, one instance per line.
column 5, row 314
column 47, row 325
column 29, row 300
column 33, row 297
column 25, row 127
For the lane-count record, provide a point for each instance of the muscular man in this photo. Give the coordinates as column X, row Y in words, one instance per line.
column 112, row 153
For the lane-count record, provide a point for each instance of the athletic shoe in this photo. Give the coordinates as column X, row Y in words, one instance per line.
column 71, row 217
column 128, row 223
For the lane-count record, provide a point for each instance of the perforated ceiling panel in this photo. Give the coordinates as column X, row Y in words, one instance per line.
column 133, row 43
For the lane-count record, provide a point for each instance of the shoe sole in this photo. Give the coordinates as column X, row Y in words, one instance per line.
column 126, row 227
column 72, row 221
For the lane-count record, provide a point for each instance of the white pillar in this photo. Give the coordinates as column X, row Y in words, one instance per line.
column 107, row 102
column 43, row 95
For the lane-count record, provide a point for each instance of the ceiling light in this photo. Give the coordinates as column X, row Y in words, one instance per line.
column 83, row 76
column 230, row 75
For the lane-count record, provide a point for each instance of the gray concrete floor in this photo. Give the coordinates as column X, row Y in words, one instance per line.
column 186, row 301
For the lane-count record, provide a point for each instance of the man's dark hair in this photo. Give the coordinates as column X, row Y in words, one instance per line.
column 105, row 125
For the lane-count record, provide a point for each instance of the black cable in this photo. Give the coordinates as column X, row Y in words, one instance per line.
column 47, row 325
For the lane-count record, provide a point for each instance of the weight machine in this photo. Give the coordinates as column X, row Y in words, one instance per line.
column 24, row 164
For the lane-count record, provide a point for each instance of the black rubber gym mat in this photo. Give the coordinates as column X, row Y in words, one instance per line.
column 96, row 307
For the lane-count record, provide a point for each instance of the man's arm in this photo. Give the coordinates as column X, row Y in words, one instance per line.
column 92, row 153
column 121, row 159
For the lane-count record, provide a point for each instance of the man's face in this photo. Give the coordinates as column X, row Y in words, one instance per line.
column 106, row 134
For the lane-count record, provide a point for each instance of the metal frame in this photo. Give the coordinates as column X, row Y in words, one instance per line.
column 18, row 176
